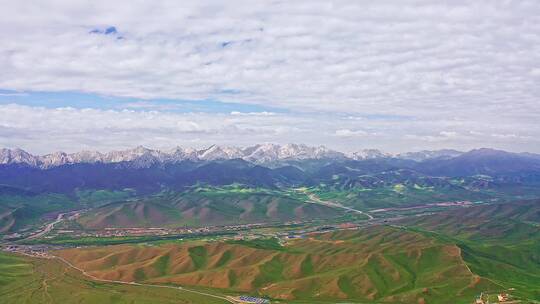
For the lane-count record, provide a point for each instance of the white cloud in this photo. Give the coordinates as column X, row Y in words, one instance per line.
column 535, row 72
column 468, row 66
column 263, row 113
column 43, row 130
column 410, row 57
column 350, row 133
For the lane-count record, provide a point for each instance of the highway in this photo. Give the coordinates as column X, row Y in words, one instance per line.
column 47, row 228
column 316, row 200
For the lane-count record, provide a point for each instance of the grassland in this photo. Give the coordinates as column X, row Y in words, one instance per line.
column 29, row 280
column 380, row 264
column 23, row 210
column 203, row 206
column 394, row 195
column 499, row 242
column 96, row 198
column 448, row 257
column 445, row 257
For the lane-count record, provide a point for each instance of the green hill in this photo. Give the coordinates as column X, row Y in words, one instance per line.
column 205, row 206
column 500, row 242
column 21, row 210
column 380, row 264
column 30, row 280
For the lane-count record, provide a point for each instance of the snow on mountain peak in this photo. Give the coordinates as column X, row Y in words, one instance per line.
column 260, row 154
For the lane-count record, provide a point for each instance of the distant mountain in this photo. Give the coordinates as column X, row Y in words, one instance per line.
column 425, row 155
column 483, row 161
column 368, row 154
column 18, row 156
column 32, row 186
column 141, row 157
column 202, row 207
column 146, row 179
column 306, row 158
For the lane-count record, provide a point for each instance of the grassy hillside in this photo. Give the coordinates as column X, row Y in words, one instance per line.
column 21, row 210
column 29, row 280
column 497, row 223
column 380, row 264
column 499, row 242
column 447, row 257
column 396, row 190
column 205, row 206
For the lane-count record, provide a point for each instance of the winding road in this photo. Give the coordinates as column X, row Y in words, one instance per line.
column 316, row 200
column 47, row 228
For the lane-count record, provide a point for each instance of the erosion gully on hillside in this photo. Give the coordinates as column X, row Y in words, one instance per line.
column 402, row 258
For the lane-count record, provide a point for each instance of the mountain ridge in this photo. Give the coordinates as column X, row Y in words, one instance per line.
column 258, row 154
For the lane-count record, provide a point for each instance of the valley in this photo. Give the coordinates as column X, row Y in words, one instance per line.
column 270, row 152
column 304, row 231
column 264, row 261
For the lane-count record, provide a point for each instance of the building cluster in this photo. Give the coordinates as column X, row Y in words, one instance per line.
column 250, row 299
column 155, row 231
column 502, row 297
column 40, row 251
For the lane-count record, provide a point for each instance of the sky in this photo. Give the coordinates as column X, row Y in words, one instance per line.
column 392, row 75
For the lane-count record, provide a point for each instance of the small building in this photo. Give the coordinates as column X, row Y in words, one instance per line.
column 503, row 297
column 254, row 300
column 482, row 299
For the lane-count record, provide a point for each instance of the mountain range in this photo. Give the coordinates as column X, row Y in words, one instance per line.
column 143, row 157
column 258, row 154
column 267, row 165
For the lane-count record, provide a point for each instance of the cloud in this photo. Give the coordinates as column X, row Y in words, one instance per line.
column 44, row 130
column 535, row 72
column 412, row 57
column 458, row 66
column 441, row 136
column 263, row 113
column 350, row 133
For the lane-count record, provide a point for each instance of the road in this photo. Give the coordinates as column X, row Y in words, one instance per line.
column 47, row 228
column 316, row 200
column 141, row 284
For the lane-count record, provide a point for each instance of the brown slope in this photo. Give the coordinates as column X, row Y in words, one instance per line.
column 382, row 264
column 201, row 210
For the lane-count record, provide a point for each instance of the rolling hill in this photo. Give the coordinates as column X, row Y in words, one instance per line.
column 203, row 207
column 500, row 242
column 30, row 280
column 515, row 221
column 380, row 264
column 20, row 209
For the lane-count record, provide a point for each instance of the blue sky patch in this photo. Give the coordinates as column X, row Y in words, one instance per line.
column 95, row 101
column 111, row 30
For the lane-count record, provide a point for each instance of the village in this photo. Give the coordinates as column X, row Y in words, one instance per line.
column 502, row 296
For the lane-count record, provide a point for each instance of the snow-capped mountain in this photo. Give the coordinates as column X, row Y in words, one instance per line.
column 265, row 153
column 180, row 153
column 17, row 156
column 259, row 154
column 368, row 154
column 216, row 152
column 143, row 157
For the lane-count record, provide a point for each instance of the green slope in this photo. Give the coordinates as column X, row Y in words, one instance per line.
column 206, row 206
column 29, row 280
column 380, row 264
column 500, row 242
